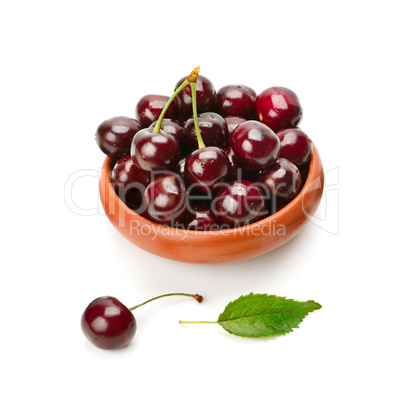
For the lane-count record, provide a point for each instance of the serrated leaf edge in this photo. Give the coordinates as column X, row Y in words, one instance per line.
column 256, row 315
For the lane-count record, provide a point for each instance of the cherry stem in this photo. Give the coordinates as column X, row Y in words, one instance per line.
column 190, row 78
column 197, row 297
column 198, row 322
column 197, row 127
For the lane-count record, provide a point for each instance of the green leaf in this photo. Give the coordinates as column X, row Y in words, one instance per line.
column 262, row 315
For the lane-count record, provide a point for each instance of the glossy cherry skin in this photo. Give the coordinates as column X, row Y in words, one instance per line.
column 205, row 95
column 108, row 324
column 282, row 181
column 239, row 203
column 114, row 135
column 149, row 107
column 233, row 122
column 278, row 108
column 206, row 169
column 296, row 146
column 255, row 145
column 166, row 200
column 213, row 128
column 236, row 100
column 155, row 151
column 172, row 127
column 201, row 218
column 237, row 171
column 129, row 181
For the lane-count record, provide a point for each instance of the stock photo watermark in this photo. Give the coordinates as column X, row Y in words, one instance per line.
column 326, row 217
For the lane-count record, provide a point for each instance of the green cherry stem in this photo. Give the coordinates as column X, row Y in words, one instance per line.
column 192, row 77
column 197, row 297
column 198, row 322
column 197, row 127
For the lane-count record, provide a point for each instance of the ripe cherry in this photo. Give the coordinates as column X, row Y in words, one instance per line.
column 282, row 180
column 166, row 199
column 129, row 181
column 149, row 108
column 278, row 108
column 255, row 145
column 236, row 100
column 239, row 203
column 205, row 96
column 213, row 128
column 155, row 151
column 206, row 169
column 108, row 323
column 114, row 135
column 296, row 146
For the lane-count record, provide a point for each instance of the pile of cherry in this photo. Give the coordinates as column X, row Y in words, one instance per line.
column 249, row 164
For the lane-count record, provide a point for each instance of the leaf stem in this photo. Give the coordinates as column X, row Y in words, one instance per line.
column 197, row 127
column 197, row 297
column 198, row 322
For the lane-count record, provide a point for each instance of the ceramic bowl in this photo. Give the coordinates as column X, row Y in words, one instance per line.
column 221, row 246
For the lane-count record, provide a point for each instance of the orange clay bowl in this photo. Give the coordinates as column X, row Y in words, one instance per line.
column 221, row 246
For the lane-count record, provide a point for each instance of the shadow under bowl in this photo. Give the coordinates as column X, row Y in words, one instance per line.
column 221, row 246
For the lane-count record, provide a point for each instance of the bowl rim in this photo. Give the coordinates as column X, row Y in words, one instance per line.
column 314, row 167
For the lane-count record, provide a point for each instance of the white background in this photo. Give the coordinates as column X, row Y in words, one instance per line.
column 66, row 67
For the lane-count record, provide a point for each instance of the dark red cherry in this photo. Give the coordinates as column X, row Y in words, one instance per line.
column 206, row 169
column 213, row 128
column 149, row 107
column 255, row 145
column 237, row 171
column 108, row 323
column 129, row 181
column 155, row 151
column 236, row 100
column 172, row 127
column 282, row 181
column 278, row 108
column 166, row 199
column 233, row 122
column 205, row 95
column 296, row 146
column 201, row 218
column 239, row 203
column 114, row 135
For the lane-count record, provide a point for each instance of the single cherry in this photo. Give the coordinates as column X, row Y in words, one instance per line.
column 108, row 323
column 149, row 108
column 172, row 127
column 239, row 203
column 296, row 146
column 129, row 181
column 233, row 122
column 255, row 145
column 201, row 218
column 278, row 108
column 282, row 181
column 205, row 96
column 166, row 199
column 206, row 169
column 236, row 100
column 213, row 129
column 155, row 151
column 114, row 135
